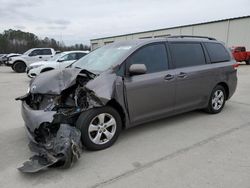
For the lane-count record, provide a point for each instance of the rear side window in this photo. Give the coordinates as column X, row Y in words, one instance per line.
column 187, row 54
column 46, row 52
column 217, row 52
column 80, row 55
column 153, row 56
column 69, row 57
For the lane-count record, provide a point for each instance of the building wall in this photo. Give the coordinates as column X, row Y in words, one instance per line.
column 233, row 32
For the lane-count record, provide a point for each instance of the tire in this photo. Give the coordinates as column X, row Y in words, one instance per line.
column 12, row 66
column 217, row 100
column 94, row 127
column 19, row 67
column 248, row 62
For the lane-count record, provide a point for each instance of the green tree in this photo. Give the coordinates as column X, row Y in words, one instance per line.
column 17, row 41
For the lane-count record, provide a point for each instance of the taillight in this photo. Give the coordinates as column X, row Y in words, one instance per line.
column 236, row 65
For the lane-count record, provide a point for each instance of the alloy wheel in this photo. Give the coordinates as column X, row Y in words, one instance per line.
column 218, row 99
column 102, row 128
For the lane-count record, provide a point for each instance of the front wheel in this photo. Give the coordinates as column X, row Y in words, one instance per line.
column 19, row 67
column 248, row 62
column 100, row 127
column 217, row 100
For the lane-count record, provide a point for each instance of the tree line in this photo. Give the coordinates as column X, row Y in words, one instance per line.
column 17, row 41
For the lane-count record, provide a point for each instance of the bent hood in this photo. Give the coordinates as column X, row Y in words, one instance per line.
column 54, row 81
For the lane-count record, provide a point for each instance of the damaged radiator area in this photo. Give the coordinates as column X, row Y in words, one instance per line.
column 57, row 142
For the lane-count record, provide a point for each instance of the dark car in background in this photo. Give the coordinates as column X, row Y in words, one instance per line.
column 1, row 58
column 129, row 83
column 5, row 58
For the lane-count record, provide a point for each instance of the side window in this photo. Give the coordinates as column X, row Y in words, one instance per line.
column 80, row 55
column 153, row 56
column 187, row 54
column 35, row 53
column 217, row 52
column 68, row 57
column 46, row 52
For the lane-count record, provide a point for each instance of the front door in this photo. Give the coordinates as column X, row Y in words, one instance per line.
column 34, row 56
column 150, row 96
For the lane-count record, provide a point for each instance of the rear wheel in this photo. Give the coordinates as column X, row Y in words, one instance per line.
column 217, row 100
column 100, row 127
column 19, row 67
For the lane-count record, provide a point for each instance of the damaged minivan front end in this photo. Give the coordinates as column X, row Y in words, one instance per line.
column 83, row 104
column 50, row 109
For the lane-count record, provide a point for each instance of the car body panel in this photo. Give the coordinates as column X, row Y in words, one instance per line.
column 149, row 87
column 33, row 118
column 59, row 81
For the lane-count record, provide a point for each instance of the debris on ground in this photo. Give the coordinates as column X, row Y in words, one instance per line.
column 60, row 150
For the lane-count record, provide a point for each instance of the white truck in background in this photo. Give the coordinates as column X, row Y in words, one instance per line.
column 19, row 63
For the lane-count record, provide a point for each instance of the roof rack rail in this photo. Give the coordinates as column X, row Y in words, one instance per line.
column 191, row 36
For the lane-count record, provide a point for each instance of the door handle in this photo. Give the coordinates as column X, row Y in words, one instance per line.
column 182, row 75
column 40, row 57
column 169, row 77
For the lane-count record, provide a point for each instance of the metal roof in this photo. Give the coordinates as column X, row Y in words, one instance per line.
column 228, row 19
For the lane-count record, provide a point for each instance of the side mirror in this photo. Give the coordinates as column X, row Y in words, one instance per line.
column 59, row 60
column 137, row 69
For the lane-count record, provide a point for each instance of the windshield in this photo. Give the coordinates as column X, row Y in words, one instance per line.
column 103, row 58
column 28, row 52
column 57, row 56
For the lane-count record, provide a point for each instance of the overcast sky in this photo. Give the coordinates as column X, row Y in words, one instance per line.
column 78, row 21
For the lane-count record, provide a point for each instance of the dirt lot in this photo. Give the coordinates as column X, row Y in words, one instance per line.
column 190, row 150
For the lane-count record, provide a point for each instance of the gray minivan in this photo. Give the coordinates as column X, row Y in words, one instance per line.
column 128, row 83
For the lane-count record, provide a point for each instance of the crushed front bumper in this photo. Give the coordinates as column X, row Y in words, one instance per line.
column 34, row 118
column 59, row 149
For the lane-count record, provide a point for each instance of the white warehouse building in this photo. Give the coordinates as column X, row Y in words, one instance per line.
column 232, row 31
